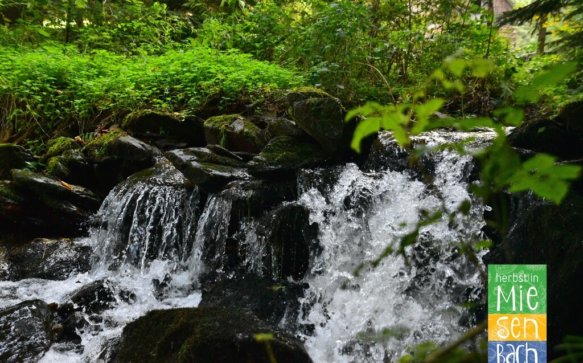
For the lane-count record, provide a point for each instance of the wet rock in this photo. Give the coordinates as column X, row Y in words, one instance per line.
column 229, row 212
column 71, row 167
column 165, row 130
column 47, row 259
column 12, row 157
column 59, row 145
column 562, row 136
column 33, row 202
column 281, row 126
column 284, row 154
column 115, row 156
column 276, row 303
column 25, row 331
column 320, row 116
column 544, row 233
column 206, row 168
column 206, row 335
column 290, row 240
column 234, row 132
column 95, row 297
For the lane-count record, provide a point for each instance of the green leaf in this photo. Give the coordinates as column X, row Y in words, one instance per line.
column 545, row 178
column 364, row 128
column 551, row 77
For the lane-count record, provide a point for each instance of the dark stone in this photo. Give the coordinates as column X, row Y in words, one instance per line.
column 285, row 154
column 34, row 202
column 281, row 126
column 239, row 203
column 71, row 167
column 47, row 259
column 206, row 335
column 12, row 157
column 544, row 233
column 115, row 156
column 234, row 132
column 206, row 168
column 290, row 239
column 25, row 331
column 94, row 298
column 276, row 303
column 165, row 130
column 320, row 116
column 562, row 136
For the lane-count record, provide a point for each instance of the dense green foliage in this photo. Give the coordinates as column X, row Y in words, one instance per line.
column 56, row 86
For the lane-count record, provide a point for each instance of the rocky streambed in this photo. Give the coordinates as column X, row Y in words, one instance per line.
column 235, row 239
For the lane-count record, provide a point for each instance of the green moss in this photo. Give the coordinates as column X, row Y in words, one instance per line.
column 7, row 193
column 286, row 149
column 60, row 145
column 302, row 93
column 97, row 148
column 234, row 132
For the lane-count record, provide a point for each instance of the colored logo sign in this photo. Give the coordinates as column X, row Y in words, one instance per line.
column 517, row 313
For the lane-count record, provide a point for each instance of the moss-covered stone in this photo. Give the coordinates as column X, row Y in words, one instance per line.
column 60, row 145
column 285, row 153
column 302, row 93
column 100, row 147
column 11, row 157
column 114, row 156
column 234, row 132
column 205, row 168
column 321, row 117
column 162, row 128
column 71, row 167
column 206, row 335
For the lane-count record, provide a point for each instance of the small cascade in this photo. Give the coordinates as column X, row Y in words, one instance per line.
column 376, row 315
column 148, row 217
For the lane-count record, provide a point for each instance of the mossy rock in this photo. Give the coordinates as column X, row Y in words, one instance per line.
column 285, row 153
column 303, row 93
column 206, row 335
column 100, row 147
column 60, row 145
column 322, row 117
column 71, row 166
column 165, row 129
column 114, row 156
column 207, row 169
column 234, row 132
column 12, row 157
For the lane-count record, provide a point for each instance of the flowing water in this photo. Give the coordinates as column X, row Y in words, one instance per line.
column 153, row 235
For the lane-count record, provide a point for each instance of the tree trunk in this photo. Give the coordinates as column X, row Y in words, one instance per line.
column 542, row 34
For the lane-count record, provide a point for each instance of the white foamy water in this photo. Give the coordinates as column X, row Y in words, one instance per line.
column 376, row 316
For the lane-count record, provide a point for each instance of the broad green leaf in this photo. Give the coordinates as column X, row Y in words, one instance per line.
column 424, row 111
column 456, row 66
column 364, row 128
column 548, row 78
column 511, row 115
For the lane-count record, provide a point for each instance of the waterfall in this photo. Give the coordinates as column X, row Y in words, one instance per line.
column 155, row 235
column 377, row 315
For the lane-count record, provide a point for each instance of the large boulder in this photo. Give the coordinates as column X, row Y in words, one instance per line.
column 12, row 157
column 284, row 154
column 562, row 136
column 35, row 202
column 115, row 156
column 25, row 331
column 276, row 303
column 320, row 116
column 46, row 259
column 165, row 130
column 206, row 168
column 206, row 335
column 234, row 132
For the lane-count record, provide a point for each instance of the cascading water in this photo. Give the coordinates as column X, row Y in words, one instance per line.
column 375, row 316
column 155, row 235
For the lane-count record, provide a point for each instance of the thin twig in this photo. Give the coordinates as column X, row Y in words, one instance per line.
column 437, row 356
